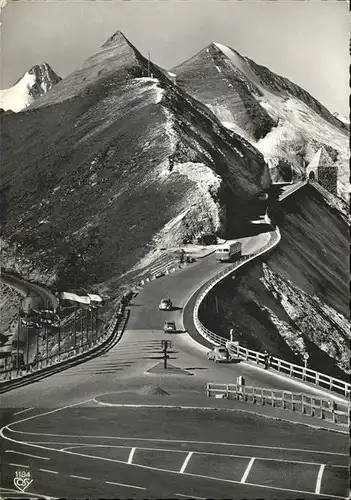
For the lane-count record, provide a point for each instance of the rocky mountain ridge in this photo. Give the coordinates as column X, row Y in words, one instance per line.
column 113, row 163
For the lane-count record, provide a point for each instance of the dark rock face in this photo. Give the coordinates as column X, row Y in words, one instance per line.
column 45, row 79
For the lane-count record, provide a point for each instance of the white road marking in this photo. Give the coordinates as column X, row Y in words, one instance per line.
column 175, row 472
column 51, row 471
column 319, row 479
column 131, row 455
column 19, row 465
column 36, row 495
column 80, row 477
column 26, row 454
column 189, row 496
column 304, row 450
column 186, row 461
column 22, row 411
column 196, row 475
column 126, row 485
column 247, row 470
column 90, row 445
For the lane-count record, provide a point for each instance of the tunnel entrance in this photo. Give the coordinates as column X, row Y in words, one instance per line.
column 312, row 176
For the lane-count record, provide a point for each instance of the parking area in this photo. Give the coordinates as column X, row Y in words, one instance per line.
column 238, row 452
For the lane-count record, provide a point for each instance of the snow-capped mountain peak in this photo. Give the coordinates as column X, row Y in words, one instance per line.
column 33, row 84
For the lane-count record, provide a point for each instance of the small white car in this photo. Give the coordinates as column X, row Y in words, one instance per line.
column 165, row 305
column 169, row 327
column 219, row 355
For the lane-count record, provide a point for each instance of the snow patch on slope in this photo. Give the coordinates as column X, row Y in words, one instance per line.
column 240, row 63
column 343, row 119
column 18, row 97
column 206, row 179
column 169, row 127
column 155, row 86
column 204, row 213
column 299, row 127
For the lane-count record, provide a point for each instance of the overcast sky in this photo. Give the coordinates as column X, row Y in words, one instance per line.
column 306, row 41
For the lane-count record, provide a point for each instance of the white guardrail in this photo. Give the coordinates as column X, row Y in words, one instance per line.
column 305, row 404
column 290, row 369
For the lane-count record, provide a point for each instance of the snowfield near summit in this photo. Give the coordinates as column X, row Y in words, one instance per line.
column 35, row 83
column 18, row 97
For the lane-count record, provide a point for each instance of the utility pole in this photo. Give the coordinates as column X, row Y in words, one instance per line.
column 18, row 335
column 148, row 65
column 46, row 332
column 59, row 339
column 27, row 348
column 37, row 327
column 96, row 324
column 75, row 328
column 81, row 327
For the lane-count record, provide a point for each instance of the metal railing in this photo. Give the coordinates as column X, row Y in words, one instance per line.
column 83, row 346
column 305, row 404
column 14, row 371
column 213, row 337
column 295, row 371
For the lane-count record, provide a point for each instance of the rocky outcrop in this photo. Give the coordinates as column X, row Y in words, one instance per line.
column 314, row 320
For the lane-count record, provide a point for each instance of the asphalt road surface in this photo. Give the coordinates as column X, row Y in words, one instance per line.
column 79, row 449
column 167, row 453
column 139, row 350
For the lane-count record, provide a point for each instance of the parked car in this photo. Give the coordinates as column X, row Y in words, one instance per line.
column 169, row 327
column 165, row 304
column 219, row 355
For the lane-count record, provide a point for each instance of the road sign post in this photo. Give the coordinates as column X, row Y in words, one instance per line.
column 305, row 358
column 165, row 344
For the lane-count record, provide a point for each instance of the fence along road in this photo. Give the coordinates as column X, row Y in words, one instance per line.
column 139, row 349
column 292, row 370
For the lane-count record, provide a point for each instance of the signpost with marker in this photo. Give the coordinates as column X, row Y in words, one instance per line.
column 165, row 344
column 305, row 358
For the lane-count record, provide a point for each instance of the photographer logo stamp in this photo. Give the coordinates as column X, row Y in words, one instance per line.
column 22, row 480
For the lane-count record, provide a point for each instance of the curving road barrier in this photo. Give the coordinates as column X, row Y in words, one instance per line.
column 295, row 371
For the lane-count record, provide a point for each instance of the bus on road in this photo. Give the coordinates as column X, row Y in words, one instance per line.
column 229, row 251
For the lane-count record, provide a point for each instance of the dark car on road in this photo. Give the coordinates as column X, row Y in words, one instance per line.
column 219, row 355
column 165, row 305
